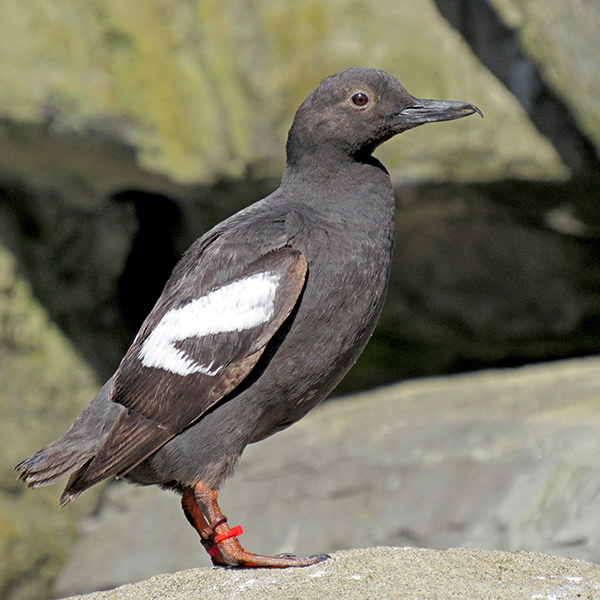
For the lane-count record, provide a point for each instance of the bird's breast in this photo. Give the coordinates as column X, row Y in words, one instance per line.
column 344, row 293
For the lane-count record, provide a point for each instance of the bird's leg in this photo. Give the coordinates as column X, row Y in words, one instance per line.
column 230, row 550
column 198, row 522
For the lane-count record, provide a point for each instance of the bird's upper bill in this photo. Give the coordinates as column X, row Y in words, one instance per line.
column 429, row 111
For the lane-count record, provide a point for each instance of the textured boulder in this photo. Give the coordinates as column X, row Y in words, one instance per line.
column 399, row 573
column 569, row 64
column 479, row 280
column 543, row 52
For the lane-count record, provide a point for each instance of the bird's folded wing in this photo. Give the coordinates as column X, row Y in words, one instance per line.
column 191, row 356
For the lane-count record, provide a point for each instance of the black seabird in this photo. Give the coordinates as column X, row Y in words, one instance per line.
column 260, row 319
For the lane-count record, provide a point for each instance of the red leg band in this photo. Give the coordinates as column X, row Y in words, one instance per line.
column 233, row 532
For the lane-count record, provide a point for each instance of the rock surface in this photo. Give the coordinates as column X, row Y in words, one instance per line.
column 472, row 286
column 502, row 460
column 399, row 573
column 568, row 62
column 531, row 47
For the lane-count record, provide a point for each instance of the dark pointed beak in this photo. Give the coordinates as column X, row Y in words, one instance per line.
column 430, row 111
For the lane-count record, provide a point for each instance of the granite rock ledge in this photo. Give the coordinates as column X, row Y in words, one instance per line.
column 383, row 572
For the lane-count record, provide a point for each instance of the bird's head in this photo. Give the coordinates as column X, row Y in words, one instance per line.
column 354, row 111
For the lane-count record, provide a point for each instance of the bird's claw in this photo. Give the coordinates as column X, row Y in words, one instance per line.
column 321, row 557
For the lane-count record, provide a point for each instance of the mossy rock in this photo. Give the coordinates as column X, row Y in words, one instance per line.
column 561, row 38
column 202, row 90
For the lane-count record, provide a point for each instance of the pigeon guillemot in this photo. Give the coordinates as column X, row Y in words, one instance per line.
column 261, row 318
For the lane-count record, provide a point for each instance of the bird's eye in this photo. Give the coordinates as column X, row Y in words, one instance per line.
column 360, row 99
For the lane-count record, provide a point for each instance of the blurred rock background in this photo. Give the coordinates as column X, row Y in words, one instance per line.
column 127, row 129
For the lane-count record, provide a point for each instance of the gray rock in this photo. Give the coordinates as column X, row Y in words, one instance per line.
column 497, row 460
column 532, row 48
column 565, row 61
column 399, row 573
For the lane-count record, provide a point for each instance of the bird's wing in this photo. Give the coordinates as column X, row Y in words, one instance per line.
column 189, row 357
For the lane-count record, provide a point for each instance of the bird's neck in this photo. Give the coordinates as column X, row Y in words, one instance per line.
column 359, row 187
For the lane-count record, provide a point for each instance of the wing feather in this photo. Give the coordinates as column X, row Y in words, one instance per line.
column 180, row 366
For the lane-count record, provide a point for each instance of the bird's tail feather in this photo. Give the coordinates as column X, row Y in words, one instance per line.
column 132, row 439
column 55, row 461
column 72, row 453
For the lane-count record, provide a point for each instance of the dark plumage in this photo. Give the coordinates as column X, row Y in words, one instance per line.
column 261, row 318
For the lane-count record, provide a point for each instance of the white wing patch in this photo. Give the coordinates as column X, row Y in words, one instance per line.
column 236, row 306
